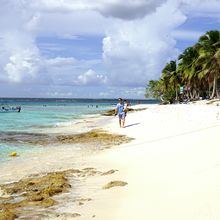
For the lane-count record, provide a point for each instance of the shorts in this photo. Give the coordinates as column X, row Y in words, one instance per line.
column 121, row 116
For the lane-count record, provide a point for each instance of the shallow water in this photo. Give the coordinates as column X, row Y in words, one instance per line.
column 41, row 119
column 40, row 116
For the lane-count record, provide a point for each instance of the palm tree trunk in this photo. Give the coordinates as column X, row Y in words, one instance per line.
column 194, row 93
column 214, row 88
column 176, row 94
column 187, row 92
column 197, row 94
column 209, row 90
column 161, row 98
column 191, row 95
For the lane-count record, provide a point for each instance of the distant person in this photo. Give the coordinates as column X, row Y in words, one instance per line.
column 119, row 110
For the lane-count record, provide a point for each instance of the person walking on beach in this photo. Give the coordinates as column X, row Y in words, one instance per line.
column 119, row 110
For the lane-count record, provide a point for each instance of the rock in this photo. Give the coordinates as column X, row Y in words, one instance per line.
column 114, row 184
column 75, row 215
column 30, row 192
column 6, row 214
column 109, row 172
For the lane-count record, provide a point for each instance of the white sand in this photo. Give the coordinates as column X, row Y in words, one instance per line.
column 172, row 167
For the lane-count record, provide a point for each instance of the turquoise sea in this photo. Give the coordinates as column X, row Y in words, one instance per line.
column 41, row 115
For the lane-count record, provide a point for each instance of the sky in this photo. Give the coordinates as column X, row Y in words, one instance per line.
column 95, row 49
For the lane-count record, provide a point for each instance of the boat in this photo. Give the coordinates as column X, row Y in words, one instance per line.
column 10, row 109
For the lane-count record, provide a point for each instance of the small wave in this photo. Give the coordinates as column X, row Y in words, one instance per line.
column 68, row 123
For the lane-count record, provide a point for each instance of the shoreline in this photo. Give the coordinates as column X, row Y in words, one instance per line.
column 47, row 162
column 164, row 137
column 43, row 152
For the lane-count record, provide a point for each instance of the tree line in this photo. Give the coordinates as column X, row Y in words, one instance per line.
column 195, row 74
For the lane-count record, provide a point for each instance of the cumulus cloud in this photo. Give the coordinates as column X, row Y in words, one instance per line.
column 113, row 8
column 130, row 10
column 91, row 78
column 135, row 51
column 20, row 58
column 139, row 37
column 67, row 71
column 21, row 65
column 74, row 23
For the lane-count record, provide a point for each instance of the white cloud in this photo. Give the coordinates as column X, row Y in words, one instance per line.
column 114, row 8
column 123, row 92
column 84, row 16
column 136, row 92
column 136, row 51
column 71, row 24
column 21, row 65
column 69, row 63
column 139, row 38
column 20, row 59
column 104, row 94
column 47, row 48
column 70, row 37
column 61, row 61
column 91, row 78
column 205, row 8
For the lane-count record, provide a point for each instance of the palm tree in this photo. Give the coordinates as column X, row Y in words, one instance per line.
column 170, row 77
column 187, row 69
column 209, row 58
column 198, row 70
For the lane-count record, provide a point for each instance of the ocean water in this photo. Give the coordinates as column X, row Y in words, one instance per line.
column 42, row 115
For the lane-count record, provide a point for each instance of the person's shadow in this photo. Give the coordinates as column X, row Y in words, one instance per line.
column 131, row 125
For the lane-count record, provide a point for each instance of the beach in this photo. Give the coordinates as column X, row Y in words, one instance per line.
column 168, row 169
column 172, row 167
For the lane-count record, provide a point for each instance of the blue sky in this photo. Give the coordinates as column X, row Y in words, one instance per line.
column 197, row 24
column 97, row 49
column 83, row 47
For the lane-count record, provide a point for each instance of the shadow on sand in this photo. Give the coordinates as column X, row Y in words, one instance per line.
column 132, row 125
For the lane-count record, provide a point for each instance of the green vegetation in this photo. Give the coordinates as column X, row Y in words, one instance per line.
column 194, row 75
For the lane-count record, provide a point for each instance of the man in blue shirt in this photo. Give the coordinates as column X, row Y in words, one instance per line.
column 119, row 110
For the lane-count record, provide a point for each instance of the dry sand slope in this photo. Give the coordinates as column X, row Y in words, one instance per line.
column 172, row 168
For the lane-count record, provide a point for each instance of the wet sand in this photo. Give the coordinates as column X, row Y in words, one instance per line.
column 29, row 184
